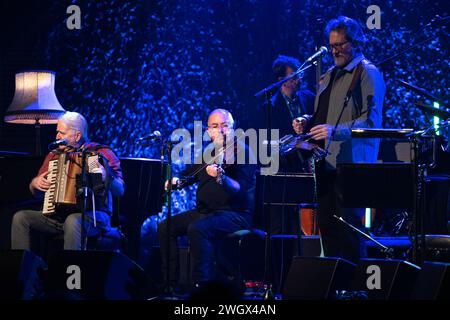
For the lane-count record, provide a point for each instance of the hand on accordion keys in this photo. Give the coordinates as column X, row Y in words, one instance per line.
column 40, row 182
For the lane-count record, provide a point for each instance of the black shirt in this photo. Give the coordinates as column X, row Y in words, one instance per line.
column 211, row 196
column 320, row 116
column 285, row 110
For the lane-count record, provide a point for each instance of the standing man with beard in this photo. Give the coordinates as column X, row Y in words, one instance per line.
column 354, row 76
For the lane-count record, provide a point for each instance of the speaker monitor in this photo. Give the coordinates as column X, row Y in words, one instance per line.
column 433, row 282
column 99, row 275
column 385, row 279
column 20, row 275
column 317, row 278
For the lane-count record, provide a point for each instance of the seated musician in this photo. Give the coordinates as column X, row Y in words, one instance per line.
column 225, row 201
column 73, row 128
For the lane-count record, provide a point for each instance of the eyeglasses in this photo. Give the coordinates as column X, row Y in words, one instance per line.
column 216, row 126
column 338, row 46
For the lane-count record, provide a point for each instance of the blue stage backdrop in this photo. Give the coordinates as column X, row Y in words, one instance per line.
column 139, row 66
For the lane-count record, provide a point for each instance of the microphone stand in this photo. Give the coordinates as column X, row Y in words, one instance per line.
column 167, row 144
column 418, row 205
column 279, row 83
column 419, row 179
column 166, row 148
column 318, row 26
column 386, row 250
column 84, row 195
column 268, row 245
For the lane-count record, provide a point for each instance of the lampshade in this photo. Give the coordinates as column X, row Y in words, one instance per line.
column 34, row 99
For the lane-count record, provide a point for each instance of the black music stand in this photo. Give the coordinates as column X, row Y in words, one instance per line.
column 143, row 197
column 375, row 185
column 83, row 194
column 401, row 183
column 293, row 189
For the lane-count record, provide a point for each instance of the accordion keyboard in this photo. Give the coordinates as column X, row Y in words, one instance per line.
column 49, row 198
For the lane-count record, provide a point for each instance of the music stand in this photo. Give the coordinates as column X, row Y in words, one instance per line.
column 375, row 185
column 358, row 183
column 294, row 189
column 143, row 197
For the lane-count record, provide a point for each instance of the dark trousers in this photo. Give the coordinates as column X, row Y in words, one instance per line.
column 202, row 229
column 338, row 240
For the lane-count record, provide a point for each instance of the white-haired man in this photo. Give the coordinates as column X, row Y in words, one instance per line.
column 73, row 128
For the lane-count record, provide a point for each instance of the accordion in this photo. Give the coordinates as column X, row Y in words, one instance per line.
column 62, row 175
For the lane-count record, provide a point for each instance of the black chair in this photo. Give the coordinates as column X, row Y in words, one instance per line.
column 297, row 190
column 110, row 240
column 234, row 274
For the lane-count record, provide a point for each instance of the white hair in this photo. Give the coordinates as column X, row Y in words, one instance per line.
column 76, row 121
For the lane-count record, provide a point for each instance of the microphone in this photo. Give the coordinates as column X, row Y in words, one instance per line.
column 57, row 143
column 156, row 135
column 323, row 50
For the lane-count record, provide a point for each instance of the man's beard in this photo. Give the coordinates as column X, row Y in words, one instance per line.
column 343, row 59
column 339, row 61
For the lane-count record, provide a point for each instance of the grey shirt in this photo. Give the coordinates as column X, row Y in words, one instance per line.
column 364, row 110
